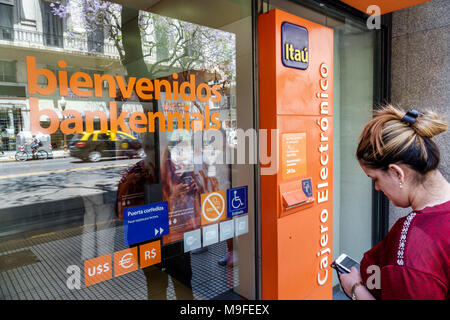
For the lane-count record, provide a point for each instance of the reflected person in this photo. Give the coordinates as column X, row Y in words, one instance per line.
column 133, row 190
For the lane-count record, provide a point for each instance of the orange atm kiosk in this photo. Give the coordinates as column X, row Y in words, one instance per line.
column 296, row 99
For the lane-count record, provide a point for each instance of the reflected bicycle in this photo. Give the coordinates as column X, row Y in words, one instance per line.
column 25, row 155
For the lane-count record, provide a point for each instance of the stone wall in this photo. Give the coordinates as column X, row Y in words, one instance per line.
column 421, row 68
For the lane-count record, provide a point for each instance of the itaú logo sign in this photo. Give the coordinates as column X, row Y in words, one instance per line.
column 294, row 46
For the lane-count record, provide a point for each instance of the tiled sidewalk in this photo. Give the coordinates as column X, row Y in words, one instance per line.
column 46, row 278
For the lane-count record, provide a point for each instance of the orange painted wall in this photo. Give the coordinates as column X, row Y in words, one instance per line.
column 386, row 6
column 291, row 239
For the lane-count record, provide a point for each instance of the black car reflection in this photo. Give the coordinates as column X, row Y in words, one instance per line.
column 93, row 146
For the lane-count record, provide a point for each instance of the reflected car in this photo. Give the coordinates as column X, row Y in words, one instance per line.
column 94, row 146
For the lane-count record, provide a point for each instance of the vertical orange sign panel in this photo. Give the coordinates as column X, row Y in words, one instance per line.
column 296, row 99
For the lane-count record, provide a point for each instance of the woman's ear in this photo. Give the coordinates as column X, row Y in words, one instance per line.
column 398, row 172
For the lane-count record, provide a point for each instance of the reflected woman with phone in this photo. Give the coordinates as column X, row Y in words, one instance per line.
column 397, row 152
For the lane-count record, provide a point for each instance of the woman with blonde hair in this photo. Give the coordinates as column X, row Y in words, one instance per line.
column 397, row 152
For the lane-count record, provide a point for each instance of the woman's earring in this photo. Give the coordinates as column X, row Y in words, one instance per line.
column 401, row 185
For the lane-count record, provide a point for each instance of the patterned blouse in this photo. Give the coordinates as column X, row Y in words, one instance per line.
column 414, row 258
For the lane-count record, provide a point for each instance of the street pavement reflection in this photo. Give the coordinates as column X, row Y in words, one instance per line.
column 35, row 182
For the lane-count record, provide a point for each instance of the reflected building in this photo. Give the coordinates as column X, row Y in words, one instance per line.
column 87, row 37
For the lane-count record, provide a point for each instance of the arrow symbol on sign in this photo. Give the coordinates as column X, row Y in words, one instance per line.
column 156, row 232
column 161, row 230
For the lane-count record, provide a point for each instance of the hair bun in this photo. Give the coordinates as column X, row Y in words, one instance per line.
column 394, row 135
column 429, row 124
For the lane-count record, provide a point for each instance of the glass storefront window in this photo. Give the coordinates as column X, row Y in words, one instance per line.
column 120, row 182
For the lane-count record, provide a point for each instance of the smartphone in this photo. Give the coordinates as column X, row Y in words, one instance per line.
column 344, row 264
column 187, row 180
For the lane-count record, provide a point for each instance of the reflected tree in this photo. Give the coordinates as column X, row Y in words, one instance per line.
column 168, row 45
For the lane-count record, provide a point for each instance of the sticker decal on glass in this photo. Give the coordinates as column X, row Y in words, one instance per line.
column 192, row 240
column 237, row 202
column 146, row 222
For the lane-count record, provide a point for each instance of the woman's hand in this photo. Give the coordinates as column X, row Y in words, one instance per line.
column 349, row 279
column 179, row 190
column 196, row 185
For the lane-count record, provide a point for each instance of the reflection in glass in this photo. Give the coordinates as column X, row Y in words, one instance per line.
column 69, row 208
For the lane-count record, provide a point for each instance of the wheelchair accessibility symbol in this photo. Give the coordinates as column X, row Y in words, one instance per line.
column 237, row 201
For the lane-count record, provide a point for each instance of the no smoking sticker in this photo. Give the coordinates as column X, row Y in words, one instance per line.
column 213, row 207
